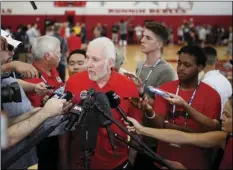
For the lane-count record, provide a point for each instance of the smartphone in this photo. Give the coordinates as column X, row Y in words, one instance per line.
column 158, row 92
column 135, row 99
column 49, row 87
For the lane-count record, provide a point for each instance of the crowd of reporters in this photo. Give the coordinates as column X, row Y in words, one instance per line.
column 37, row 109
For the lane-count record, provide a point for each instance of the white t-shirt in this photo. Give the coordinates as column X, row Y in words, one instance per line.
column 138, row 30
column 220, row 83
column 202, row 34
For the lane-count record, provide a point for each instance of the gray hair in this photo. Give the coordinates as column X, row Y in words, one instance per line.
column 119, row 59
column 42, row 45
column 107, row 45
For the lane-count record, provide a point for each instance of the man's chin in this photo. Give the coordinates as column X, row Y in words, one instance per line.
column 93, row 78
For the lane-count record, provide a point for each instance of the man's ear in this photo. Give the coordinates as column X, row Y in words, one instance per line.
column 160, row 44
column 200, row 68
column 47, row 56
column 111, row 63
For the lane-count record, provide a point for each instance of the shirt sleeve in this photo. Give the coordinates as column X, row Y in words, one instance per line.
column 161, row 106
column 165, row 76
column 212, row 106
column 133, row 111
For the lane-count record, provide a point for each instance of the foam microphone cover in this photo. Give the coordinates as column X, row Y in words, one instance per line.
column 103, row 106
column 102, row 101
column 113, row 99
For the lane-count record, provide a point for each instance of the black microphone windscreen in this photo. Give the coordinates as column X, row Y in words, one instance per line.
column 113, row 98
column 102, row 104
column 102, row 100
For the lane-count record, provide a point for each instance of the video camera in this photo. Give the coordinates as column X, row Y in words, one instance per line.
column 11, row 92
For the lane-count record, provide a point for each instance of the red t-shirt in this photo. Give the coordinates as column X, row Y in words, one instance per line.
column 104, row 157
column 74, row 43
column 206, row 101
column 63, row 31
column 53, row 80
column 226, row 162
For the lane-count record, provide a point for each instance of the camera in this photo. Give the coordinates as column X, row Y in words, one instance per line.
column 11, row 92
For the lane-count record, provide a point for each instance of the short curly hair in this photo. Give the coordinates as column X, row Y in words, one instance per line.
column 195, row 51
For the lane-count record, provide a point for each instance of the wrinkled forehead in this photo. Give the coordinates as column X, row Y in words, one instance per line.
column 95, row 50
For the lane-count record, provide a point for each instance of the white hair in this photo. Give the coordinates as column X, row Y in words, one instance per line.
column 119, row 59
column 42, row 45
column 107, row 45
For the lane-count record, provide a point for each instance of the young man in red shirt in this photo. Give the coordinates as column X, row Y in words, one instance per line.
column 191, row 107
column 215, row 139
column 101, row 76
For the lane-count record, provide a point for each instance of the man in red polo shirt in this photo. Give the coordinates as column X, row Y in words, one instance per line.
column 100, row 61
column 191, row 107
column 46, row 56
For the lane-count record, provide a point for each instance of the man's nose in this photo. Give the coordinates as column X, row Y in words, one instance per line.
column 142, row 40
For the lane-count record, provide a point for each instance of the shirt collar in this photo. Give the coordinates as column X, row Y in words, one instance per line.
column 42, row 72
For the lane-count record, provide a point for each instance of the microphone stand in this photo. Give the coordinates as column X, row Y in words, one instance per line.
column 156, row 157
column 33, row 140
column 135, row 147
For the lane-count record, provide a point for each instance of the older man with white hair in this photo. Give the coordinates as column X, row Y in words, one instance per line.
column 101, row 76
column 46, row 54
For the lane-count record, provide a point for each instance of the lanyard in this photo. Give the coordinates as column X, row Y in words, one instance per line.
column 57, row 78
column 148, row 76
column 190, row 102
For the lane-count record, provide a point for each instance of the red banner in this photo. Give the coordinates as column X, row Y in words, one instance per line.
column 70, row 3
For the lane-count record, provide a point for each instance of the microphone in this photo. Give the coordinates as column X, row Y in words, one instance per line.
column 115, row 101
column 102, row 104
column 76, row 114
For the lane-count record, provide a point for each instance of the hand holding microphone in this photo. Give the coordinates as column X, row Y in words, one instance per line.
column 53, row 107
column 136, row 126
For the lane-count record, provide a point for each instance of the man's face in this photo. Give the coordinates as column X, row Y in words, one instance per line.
column 54, row 57
column 187, row 67
column 97, row 64
column 6, row 52
column 76, row 63
column 227, row 117
column 150, row 42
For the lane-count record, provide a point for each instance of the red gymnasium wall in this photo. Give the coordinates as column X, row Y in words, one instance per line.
column 92, row 20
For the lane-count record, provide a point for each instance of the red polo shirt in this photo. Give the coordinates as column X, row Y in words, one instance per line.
column 104, row 157
column 74, row 43
column 206, row 101
column 226, row 162
column 53, row 80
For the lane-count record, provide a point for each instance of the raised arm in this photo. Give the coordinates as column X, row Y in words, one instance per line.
column 206, row 140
